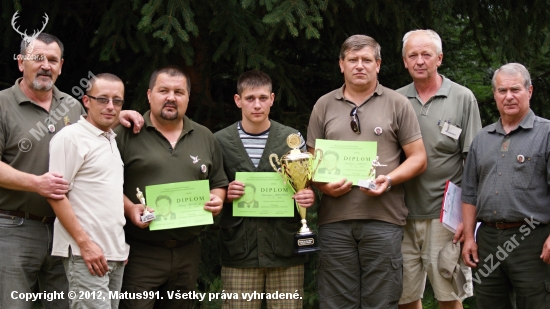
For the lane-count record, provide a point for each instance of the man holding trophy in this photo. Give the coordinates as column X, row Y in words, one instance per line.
column 257, row 253
column 360, row 229
column 171, row 148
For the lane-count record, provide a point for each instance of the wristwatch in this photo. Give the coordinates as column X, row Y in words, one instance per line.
column 389, row 183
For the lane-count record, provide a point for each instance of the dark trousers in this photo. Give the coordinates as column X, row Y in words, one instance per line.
column 26, row 260
column 361, row 265
column 510, row 262
column 167, row 270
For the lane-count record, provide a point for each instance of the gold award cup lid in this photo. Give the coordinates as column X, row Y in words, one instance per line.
column 293, row 141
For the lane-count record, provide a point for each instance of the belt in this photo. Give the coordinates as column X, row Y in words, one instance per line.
column 172, row 243
column 504, row 225
column 26, row 215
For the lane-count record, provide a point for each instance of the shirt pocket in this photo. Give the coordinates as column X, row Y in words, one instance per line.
column 446, row 144
column 530, row 173
column 233, row 244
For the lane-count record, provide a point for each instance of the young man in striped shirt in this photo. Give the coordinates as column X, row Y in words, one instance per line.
column 257, row 253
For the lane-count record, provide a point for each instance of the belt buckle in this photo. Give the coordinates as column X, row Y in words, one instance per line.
column 44, row 219
column 499, row 228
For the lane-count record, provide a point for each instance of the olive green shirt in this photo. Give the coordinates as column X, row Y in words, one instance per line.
column 394, row 115
column 424, row 193
column 149, row 159
column 25, row 136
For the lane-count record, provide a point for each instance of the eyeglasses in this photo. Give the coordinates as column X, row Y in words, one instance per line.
column 101, row 100
column 355, row 126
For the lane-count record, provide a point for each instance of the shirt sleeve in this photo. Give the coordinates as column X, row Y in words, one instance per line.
column 471, row 124
column 65, row 157
column 409, row 129
column 316, row 124
column 470, row 177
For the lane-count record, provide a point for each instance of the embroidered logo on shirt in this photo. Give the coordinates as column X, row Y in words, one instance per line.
column 195, row 159
column 66, row 120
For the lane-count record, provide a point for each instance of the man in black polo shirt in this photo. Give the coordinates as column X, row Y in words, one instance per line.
column 506, row 186
column 170, row 148
column 31, row 112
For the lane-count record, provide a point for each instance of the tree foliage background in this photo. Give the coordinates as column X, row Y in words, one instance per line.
column 295, row 41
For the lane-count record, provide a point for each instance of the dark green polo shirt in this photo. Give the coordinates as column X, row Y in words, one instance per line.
column 25, row 141
column 150, row 160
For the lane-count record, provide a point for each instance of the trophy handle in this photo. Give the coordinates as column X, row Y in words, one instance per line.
column 318, row 153
column 274, row 158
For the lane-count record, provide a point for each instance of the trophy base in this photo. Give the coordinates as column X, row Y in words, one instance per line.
column 148, row 217
column 367, row 184
column 305, row 243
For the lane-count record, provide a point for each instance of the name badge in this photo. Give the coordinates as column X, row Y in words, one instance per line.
column 451, row 130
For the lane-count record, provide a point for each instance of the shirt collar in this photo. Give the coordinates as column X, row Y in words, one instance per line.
column 443, row 91
column 339, row 95
column 20, row 97
column 95, row 130
column 526, row 123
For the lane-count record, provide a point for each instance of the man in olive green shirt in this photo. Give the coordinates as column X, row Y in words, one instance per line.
column 443, row 108
column 31, row 112
column 170, row 148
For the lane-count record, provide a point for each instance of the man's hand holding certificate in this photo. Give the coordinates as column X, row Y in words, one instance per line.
column 179, row 204
column 344, row 159
column 265, row 195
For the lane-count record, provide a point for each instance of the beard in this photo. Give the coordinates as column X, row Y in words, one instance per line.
column 168, row 115
column 37, row 85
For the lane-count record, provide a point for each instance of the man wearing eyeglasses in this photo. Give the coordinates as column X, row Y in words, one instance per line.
column 443, row 108
column 88, row 231
column 360, row 230
column 32, row 111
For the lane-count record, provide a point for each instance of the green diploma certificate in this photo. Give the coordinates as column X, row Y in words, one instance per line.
column 179, row 204
column 344, row 159
column 265, row 195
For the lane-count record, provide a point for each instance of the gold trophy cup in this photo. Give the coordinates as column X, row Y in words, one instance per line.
column 296, row 168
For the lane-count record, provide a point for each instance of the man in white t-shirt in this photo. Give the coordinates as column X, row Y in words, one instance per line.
column 88, row 231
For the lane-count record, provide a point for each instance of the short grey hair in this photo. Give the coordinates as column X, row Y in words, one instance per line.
column 513, row 68
column 45, row 38
column 359, row 41
column 428, row 33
